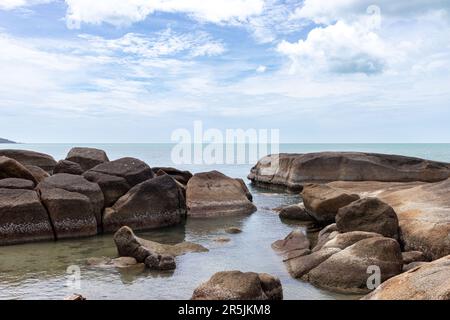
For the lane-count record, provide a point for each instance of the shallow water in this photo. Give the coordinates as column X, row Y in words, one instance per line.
column 38, row 271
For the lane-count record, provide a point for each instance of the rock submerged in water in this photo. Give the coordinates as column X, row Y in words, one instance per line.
column 292, row 171
column 87, row 158
column 214, row 194
column 23, row 218
column 155, row 203
column 368, row 214
column 237, row 285
column 323, row 202
column 31, row 158
column 428, row 281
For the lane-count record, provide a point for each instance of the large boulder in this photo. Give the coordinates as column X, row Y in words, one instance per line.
column 15, row 183
column 429, row 281
column 325, row 235
column 71, row 213
column 134, row 171
column 423, row 211
column 296, row 212
column 348, row 270
column 10, row 168
column 78, row 184
column 23, row 218
column 38, row 173
column 214, row 194
column 413, row 256
column 237, row 285
column 301, row 265
column 323, row 202
column 113, row 187
column 155, row 203
column 295, row 170
column 344, row 240
column 31, row 158
column 66, row 166
column 182, row 177
column 87, row 158
column 368, row 214
column 129, row 245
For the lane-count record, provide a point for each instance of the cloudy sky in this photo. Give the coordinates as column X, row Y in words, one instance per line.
column 134, row 71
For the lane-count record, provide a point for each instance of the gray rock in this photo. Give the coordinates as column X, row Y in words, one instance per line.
column 66, row 166
column 15, row 183
column 10, row 168
column 31, row 158
column 87, row 158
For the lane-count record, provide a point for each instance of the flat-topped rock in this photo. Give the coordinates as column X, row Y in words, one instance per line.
column 23, row 218
column 428, row 281
column 87, row 158
column 134, row 171
column 294, row 170
column 10, row 168
column 237, row 285
column 215, row 194
column 32, row 158
column 323, row 202
column 423, row 211
column 15, row 183
column 78, row 184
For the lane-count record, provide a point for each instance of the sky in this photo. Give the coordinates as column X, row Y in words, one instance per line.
column 135, row 71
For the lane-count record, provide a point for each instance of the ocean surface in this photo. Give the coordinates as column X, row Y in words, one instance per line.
column 39, row 270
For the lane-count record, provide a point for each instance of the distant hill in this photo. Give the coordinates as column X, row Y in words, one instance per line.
column 5, row 141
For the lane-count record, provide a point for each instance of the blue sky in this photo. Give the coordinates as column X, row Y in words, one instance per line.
column 135, row 71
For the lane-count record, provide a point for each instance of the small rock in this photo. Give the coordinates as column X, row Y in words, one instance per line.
column 296, row 240
column 296, row 212
column 160, row 262
column 222, row 239
column 75, row 297
column 233, row 230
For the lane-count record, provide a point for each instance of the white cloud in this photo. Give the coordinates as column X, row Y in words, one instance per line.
column 261, row 69
column 14, row 4
column 119, row 12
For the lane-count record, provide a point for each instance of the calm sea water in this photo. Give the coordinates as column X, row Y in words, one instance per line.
column 38, row 271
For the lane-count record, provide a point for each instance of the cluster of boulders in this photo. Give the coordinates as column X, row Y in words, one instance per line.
column 86, row 194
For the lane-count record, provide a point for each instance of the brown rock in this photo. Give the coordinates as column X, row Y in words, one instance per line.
column 413, row 256
column 66, row 166
column 38, row 173
column 182, row 177
column 236, row 285
column 215, row 194
column 10, row 168
column 31, row 158
column 15, row 183
column 296, row 240
column 344, row 240
column 113, row 187
column 296, row 212
column 412, row 265
column 301, row 265
column 87, row 158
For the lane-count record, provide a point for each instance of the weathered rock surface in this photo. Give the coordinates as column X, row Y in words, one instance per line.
column 120, row 263
column 423, row 210
column 66, row 166
column 87, row 158
column 38, row 173
column 134, row 171
column 113, row 187
column 296, row 240
column 15, row 183
column 295, row 170
column 22, row 217
column 71, row 213
column 412, row 265
column 368, row 214
column 344, row 240
column 182, row 177
column 31, row 158
column 10, row 168
column 323, row 202
column 160, row 262
column 347, row 270
column 129, row 245
column 413, row 256
column 301, row 265
column 155, row 203
column 325, row 235
column 214, row 194
column 236, row 285
column 76, row 183
column 296, row 212
column 429, row 281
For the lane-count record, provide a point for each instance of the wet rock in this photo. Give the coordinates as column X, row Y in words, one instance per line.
column 368, row 214
column 113, row 187
column 236, row 285
column 292, row 171
column 10, row 168
column 298, row 267
column 160, row 262
column 66, row 166
column 214, row 194
column 296, row 240
column 347, row 271
column 31, row 158
column 155, row 203
column 23, row 218
column 129, row 245
column 413, row 256
column 78, row 184
column 87, row 158
column 222, row 239
column 430, row 281
column 15, row 183
column 71, row 213
column 296, row 212
column 323, row 202
column 233, row 230
column 134, row 171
